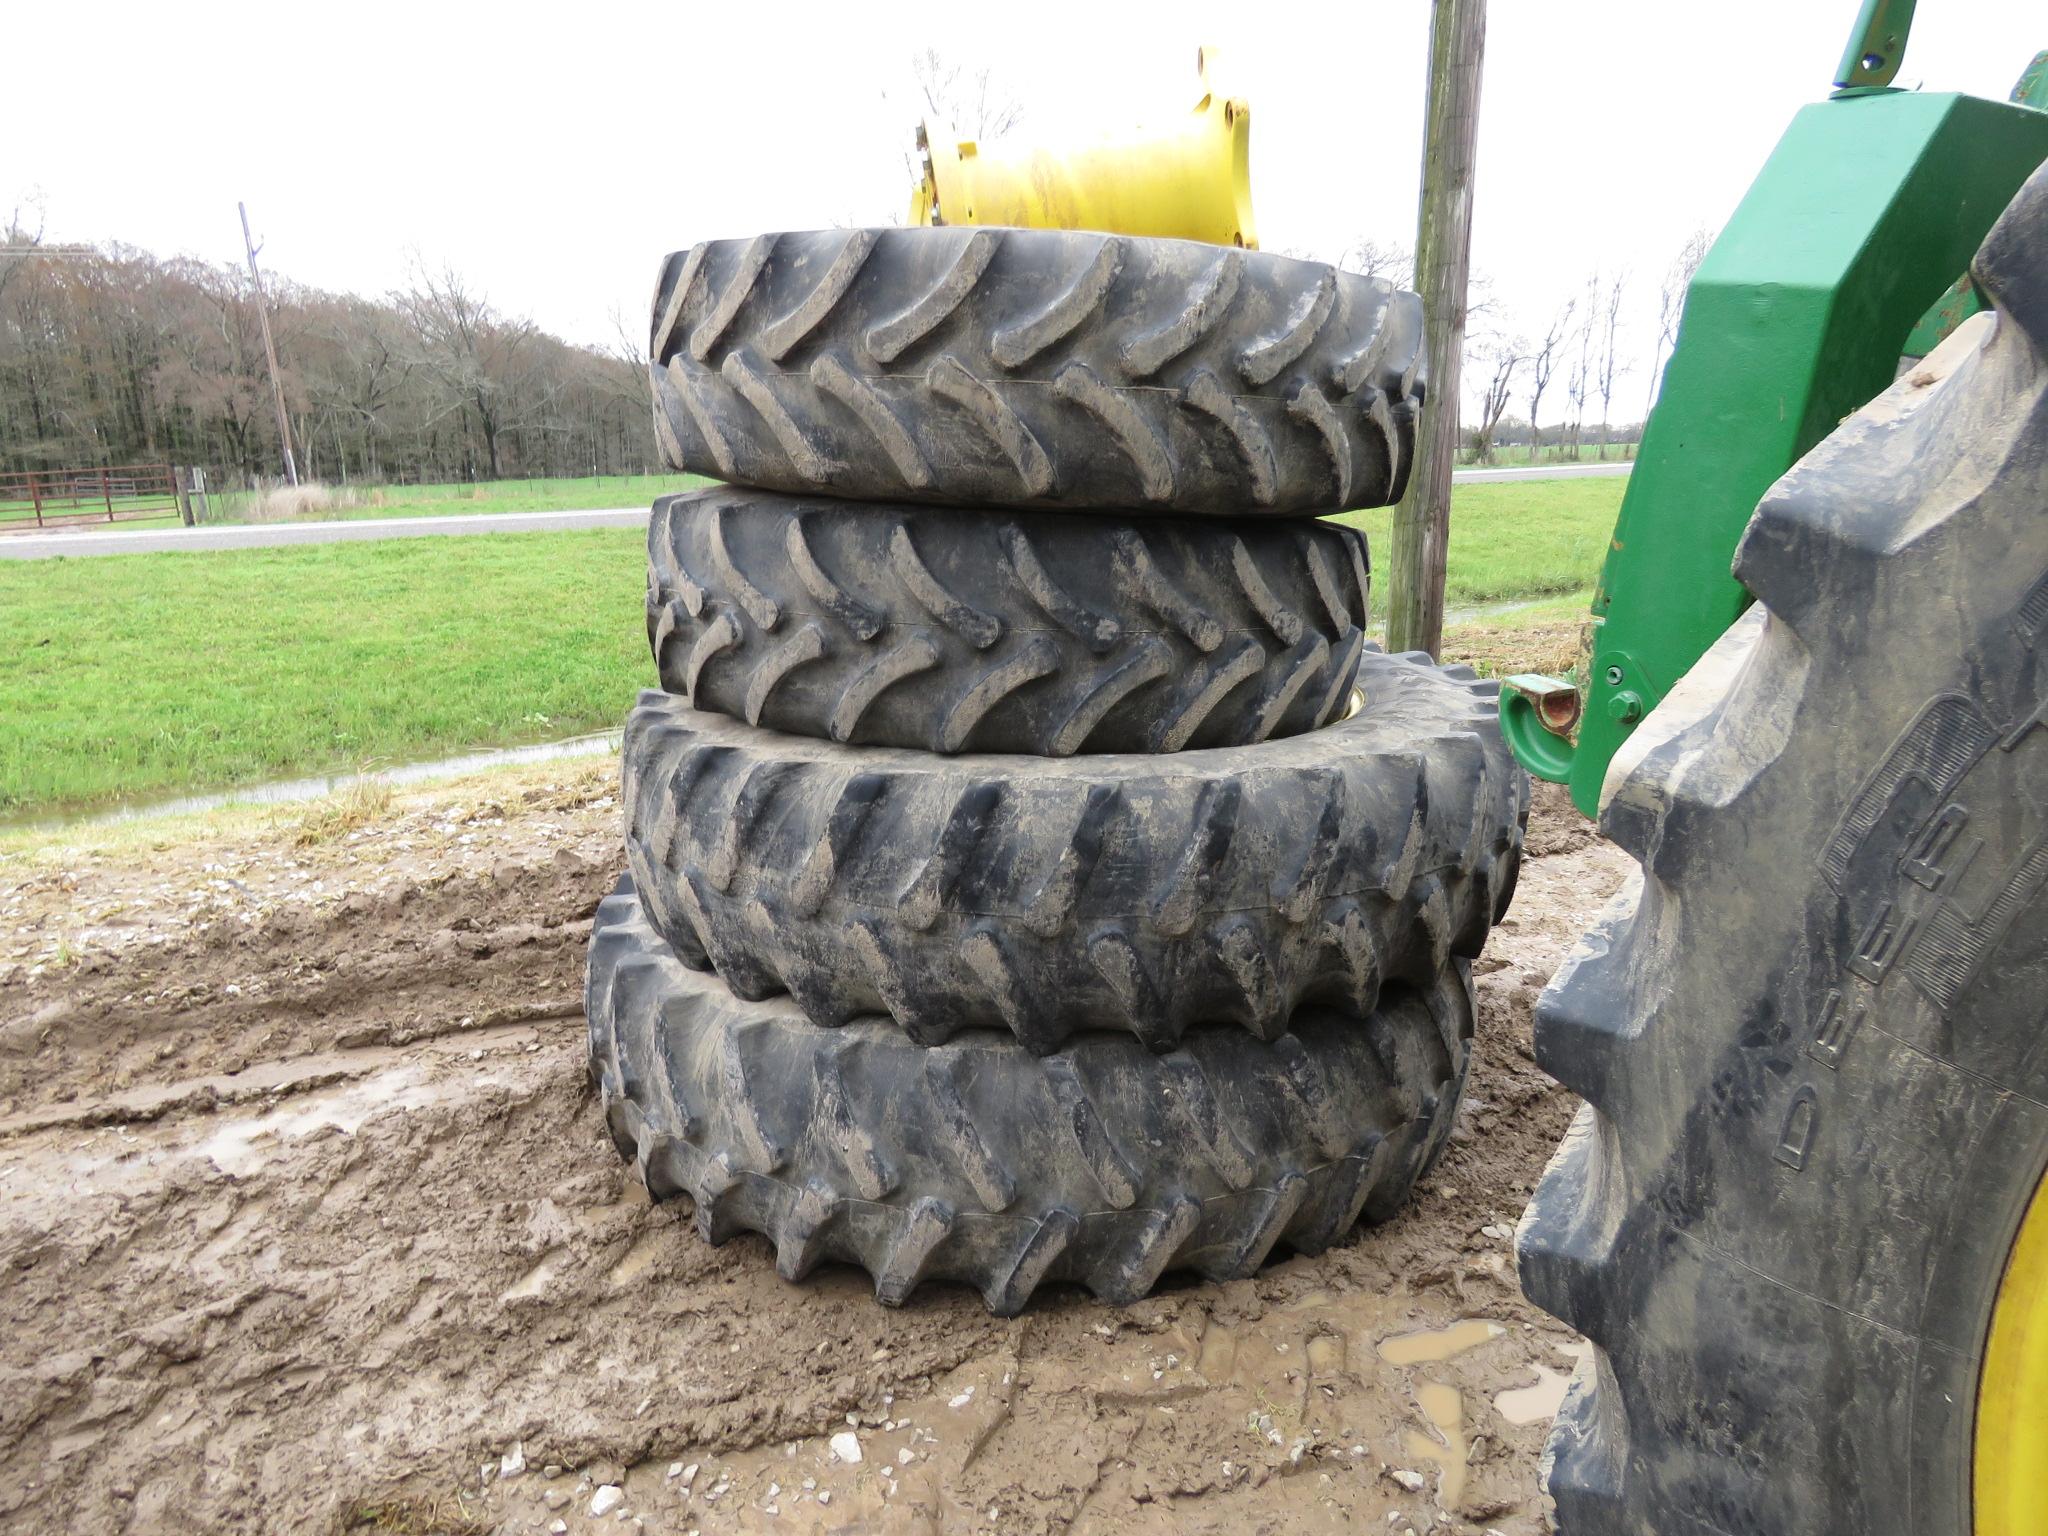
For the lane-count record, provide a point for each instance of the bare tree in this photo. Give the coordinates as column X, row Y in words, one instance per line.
column 969, row 101
column 1389, row 261
column 1543, row 365
column 477, row 356
column 1503, row 355
column 954, row 99
column 1610, row 324
column 18, row 243
column 355, row 373
column 1671, row 306
column 1578, row 383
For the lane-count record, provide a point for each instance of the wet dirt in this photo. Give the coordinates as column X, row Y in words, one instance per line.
column 308, row 1221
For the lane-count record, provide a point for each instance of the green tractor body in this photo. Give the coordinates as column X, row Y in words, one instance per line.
column 1821, row 283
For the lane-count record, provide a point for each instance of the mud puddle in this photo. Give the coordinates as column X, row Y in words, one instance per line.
column 1193, row 1412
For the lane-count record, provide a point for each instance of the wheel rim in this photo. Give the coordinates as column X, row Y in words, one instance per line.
column 2012, row 1393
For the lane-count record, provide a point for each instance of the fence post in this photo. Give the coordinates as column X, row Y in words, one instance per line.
column 181, row 487
column 35, row 495
column 107, row 493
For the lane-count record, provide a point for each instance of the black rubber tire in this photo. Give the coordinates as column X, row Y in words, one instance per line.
column 1045, row 895
column 1043, row 367
column 952, row 630
column 978, row 1162
column 1811, row 1039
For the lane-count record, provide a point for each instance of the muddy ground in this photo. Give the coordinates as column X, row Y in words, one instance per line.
column 308, row 1221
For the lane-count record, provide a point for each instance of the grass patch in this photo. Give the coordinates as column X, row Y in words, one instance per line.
column 1513, row 541
column 127, row 677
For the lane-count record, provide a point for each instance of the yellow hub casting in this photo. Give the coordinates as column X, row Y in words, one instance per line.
column 2012, row 1394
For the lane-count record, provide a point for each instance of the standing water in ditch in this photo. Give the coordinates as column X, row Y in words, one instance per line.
column 317, row 786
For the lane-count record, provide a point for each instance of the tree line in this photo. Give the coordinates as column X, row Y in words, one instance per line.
column 110, row 355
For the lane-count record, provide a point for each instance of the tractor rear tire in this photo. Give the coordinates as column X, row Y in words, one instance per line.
column 1104, row 1166
column 1812, row 1039
column 1035, row 368
column 1141, row 894
column 951, row 630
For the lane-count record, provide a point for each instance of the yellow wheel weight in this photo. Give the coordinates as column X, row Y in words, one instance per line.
column 2011, row 1453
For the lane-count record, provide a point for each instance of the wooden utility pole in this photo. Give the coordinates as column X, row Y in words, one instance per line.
column 1443, row 264
column 284, row 426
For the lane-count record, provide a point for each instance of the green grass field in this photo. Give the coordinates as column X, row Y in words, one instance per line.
column 138, row 676
column 1511, row 542
column 134, row 677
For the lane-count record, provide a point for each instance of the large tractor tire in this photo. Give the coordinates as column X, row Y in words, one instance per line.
column 1035, row 368
column 950, row 630
column 1104, row 1165
column 1044, row 896
column 1800, row 1216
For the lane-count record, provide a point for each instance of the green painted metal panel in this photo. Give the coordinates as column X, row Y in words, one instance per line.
column 1864, row 213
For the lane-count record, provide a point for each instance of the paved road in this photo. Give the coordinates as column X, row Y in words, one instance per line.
column 1594, row 470
column 44, row 546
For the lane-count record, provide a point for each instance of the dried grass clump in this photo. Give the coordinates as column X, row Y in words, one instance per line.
column 309, row 498
column 355, row 805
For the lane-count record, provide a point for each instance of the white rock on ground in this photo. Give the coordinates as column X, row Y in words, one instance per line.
column 1414, row 1482
column 846, row 1446
column 513, row 1462
column 605, row 1500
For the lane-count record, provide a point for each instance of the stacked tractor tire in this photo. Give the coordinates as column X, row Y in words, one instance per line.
column 1034, row 874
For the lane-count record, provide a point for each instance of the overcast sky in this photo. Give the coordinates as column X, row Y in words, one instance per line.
column 552, row 154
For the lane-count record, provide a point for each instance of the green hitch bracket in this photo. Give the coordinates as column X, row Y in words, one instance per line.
column 1877, row 46
column 1537, row 716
